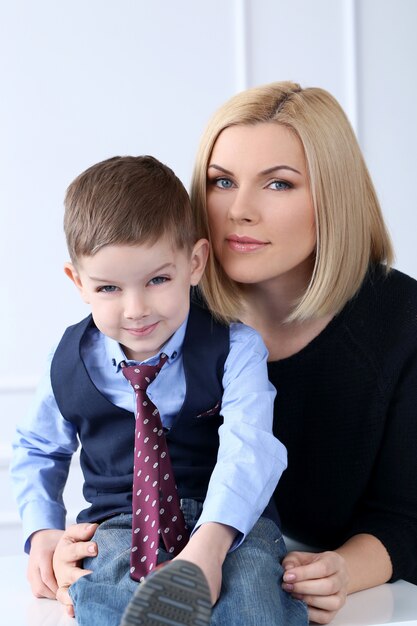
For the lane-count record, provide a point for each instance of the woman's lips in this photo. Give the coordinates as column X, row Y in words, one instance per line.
column 245, row 244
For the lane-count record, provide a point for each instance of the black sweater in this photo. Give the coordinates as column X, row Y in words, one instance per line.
column 346, row 409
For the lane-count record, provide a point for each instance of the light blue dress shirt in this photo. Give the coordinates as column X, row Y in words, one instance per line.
column 250, row 459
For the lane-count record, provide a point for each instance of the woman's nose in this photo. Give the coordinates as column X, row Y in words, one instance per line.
column 244, row 207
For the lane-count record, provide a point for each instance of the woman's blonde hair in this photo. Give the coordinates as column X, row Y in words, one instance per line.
column 351, row 233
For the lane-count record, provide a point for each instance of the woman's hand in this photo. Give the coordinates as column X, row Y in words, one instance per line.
column 72, row 548
column 320, row 580
column 40, row 573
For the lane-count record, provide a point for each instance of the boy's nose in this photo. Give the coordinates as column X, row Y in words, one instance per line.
column 135, row 308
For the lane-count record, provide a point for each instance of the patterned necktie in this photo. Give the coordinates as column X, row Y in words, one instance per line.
column 155, row 504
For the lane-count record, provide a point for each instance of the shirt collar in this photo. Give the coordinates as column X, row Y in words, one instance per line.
column 172, row 348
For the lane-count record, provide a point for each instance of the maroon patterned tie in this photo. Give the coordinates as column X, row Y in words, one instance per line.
column 155, row 504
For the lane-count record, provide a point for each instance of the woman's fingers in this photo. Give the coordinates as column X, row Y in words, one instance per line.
column 320, row 617
column 306, row 566
column 317, row 587
column 320, row 580
column 325, row 603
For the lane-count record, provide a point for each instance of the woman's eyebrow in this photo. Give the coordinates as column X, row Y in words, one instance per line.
column 270, row 170
column 276, row 168
column 218, row 167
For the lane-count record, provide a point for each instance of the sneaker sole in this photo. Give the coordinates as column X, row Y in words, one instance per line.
column 175, row 595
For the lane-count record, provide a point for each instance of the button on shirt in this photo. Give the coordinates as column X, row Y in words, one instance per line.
column 250, row 459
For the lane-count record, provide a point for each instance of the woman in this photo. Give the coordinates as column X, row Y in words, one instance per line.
column 297, row 228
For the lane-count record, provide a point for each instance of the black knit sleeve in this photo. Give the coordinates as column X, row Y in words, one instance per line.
column 389, row 506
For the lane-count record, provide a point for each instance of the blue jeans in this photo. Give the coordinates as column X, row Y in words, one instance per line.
column 251, row 593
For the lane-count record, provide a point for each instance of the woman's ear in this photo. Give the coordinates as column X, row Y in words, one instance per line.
column 199, row 256
column 72, row 273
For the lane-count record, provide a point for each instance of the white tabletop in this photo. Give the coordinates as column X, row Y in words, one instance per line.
column 394, row 604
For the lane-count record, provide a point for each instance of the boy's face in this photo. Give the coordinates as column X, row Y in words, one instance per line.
column 139, row 295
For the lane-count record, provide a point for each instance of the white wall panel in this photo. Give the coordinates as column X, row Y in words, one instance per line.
column 300, row 41
column 388, row 119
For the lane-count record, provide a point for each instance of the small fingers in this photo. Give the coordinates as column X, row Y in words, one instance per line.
column 49, row 579
column 73, row 552
column 77, row 573
column 40, row 590
column 70, row 575
column 68, row 555
column 64, row 598
column 42, row 581
column 80, row 532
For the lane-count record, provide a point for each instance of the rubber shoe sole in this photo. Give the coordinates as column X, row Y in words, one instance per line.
column 175, row 595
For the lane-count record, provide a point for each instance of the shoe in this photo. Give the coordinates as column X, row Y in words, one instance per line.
column 174, row 595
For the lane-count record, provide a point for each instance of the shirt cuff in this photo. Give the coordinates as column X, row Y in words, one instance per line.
column 41, row 515
column 229, row 515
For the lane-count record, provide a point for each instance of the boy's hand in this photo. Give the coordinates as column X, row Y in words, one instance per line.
column 207, row 548
column 40, row 573
column 72, row 547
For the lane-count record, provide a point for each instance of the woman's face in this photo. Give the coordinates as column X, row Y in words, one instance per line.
column 259, row 203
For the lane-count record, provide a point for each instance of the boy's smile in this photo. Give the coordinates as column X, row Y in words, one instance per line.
column 142, row 332
column 139, row 294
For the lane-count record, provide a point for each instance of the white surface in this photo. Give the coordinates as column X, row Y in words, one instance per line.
column 388, row 604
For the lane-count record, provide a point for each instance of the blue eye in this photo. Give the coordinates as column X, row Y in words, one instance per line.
column 107, row 289
column 279, row 185
column 223, row 183
column 158, row 280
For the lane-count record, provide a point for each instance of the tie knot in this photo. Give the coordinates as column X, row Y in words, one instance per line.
column 140, row 376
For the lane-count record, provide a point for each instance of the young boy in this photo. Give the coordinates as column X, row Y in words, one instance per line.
column 154, row 389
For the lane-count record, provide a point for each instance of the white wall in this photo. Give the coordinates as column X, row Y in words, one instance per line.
column 84, row 80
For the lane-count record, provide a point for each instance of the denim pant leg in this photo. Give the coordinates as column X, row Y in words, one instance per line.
column 251, row 593
column 101, row 597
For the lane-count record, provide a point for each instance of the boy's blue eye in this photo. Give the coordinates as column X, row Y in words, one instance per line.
column 107, row 289
column 158, row 280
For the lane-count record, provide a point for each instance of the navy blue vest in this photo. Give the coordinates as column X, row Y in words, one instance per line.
column 106, row 431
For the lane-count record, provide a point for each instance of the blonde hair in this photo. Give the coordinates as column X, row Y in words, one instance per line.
column 351, row 233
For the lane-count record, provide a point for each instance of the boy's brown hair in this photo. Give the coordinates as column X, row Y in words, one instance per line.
column 127, row 200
